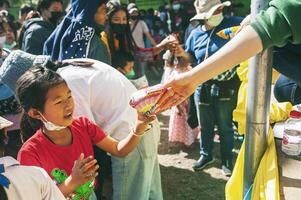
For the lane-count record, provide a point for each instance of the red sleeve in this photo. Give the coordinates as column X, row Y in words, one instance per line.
column 95, row 133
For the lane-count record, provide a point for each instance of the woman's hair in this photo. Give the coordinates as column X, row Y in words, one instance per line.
column 126, row 41
column 31, row 89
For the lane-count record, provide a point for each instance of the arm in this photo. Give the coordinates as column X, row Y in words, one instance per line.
column 246, row 44
column 167, row 43
column 125, row 146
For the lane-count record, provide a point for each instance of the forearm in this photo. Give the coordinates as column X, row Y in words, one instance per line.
column 243, row 46
column 158, row 48
column 128, row 144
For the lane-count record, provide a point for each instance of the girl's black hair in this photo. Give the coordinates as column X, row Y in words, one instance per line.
column 126, row 41
column 31, row 89
column 120, row 59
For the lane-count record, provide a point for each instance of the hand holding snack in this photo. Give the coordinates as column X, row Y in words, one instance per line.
column 145, row 100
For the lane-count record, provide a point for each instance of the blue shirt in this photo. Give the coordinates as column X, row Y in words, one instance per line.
column 5, row 92
column 197, row 40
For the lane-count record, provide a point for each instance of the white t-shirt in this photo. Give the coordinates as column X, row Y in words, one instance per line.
column 28, row 182
column 102, row 94
column 139, row 31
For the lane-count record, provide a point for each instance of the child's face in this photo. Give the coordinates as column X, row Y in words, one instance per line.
column 129, row 67
column 59, row 105
column 101, row 15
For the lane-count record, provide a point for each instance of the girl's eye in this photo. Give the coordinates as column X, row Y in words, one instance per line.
column 69, row 97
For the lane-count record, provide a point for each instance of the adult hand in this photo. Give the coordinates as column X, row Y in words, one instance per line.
column 165, row 44
column 180, row 87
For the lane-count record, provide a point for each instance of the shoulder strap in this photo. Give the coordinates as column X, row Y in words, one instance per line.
column 134, row 27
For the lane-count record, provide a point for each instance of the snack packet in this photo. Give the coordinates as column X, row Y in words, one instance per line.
column 145, row 100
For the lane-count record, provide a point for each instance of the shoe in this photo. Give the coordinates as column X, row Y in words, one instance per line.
column 202, row 162
column 227, row 168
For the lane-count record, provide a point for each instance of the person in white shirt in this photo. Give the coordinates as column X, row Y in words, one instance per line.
column 102, row 94
column 139, row 30
column 23, row 182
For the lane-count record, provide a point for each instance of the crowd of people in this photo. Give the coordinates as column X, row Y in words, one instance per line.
column 67, row 76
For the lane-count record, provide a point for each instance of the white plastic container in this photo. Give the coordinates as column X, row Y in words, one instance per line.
column 291, row 142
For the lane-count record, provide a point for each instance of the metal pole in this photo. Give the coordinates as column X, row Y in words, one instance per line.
column 258, row 104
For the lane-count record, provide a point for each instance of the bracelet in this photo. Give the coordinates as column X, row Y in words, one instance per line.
column 133, row 133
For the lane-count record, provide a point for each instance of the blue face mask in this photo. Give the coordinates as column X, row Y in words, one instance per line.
column 130, row 74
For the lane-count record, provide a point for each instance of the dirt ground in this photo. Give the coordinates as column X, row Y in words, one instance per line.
column 179, row 181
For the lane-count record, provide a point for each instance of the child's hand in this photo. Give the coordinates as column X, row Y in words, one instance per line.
column 84, row 170
column 143, row 123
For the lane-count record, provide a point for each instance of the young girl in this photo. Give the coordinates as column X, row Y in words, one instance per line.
column 63, row 146
column 179, row 130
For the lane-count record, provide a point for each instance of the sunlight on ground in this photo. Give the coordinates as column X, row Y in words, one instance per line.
column 181, row 162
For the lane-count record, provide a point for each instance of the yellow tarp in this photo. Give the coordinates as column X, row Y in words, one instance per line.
column 266, row 183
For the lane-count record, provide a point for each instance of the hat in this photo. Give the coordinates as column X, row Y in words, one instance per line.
column 206, row 8
column 16, row 64
column 4, row 123
column 132, row 8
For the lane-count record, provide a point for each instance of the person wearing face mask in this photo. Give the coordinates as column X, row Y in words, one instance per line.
column 216, row 98
column 139, row 30
column 79, row 33
column 117, row 34
column 38, row 30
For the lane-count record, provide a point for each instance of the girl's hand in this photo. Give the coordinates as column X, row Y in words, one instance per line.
column 143, row 123
column 84, row 170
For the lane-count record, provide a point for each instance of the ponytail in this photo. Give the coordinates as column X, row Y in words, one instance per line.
column 29, row 126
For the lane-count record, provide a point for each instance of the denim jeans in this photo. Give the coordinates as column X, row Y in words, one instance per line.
column 137, row 176
column 286, row 60
column 287, row 90
column 215, row 111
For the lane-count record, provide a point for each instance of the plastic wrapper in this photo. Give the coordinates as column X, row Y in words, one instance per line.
column 228, row 33
column 4, row 123
column 145, row 100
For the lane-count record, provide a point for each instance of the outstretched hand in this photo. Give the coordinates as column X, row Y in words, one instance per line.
column 180, row 87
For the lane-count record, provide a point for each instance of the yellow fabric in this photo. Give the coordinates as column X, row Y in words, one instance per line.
column 266, row 183
column 105, row 39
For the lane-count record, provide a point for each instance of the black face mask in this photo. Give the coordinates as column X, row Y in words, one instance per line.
column 134, row 17
column 118, row 28
column 56, row 16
